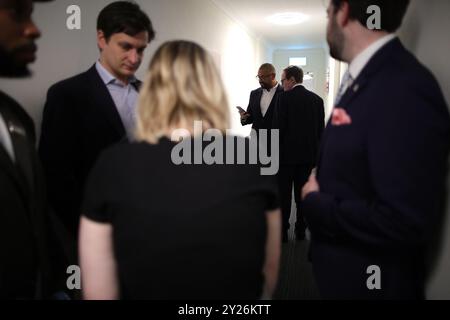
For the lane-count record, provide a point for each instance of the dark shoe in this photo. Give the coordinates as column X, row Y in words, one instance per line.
column 300, row 237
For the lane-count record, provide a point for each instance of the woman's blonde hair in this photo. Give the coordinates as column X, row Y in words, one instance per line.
column 182, row 86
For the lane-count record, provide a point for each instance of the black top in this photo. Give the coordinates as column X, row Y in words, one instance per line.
column 181, row 232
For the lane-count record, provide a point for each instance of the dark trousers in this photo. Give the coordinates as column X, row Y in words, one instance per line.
column 289, row 175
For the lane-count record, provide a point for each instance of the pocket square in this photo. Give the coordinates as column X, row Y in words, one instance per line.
column 340, row 117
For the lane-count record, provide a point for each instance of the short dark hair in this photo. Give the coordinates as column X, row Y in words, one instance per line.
column 295, row 72
column 392, row 11
column 126, row 17
column 268, row 67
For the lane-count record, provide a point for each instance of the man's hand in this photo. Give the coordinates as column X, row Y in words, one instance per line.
column 311, row 186
column 244, row 115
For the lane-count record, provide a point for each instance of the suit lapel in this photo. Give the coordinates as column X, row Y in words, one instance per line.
column 11, row 168
column 373, row 66
column 258, row 100
column 13, row 172
column 102, row 99
column 353, row 91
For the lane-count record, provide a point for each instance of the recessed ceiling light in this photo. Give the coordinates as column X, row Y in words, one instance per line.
column 287, row 18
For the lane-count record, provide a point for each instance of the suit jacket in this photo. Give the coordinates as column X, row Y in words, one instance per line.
column 80, row 120
column 254, row 109
column 300, row 116
column 382, row 180
column 23, row 227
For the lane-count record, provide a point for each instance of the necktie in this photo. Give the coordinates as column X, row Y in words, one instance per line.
column 347, row 80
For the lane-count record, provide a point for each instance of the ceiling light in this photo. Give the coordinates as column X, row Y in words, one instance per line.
column 287, row 18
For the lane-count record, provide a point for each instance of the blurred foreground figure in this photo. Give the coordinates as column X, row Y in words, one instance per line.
column 153, row 229
column 382, row 166
column 24, row 257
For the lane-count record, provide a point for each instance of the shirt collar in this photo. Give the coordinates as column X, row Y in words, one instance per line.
column 107, row 77
column 361, row 60
column 272, row 89
column 297, row 85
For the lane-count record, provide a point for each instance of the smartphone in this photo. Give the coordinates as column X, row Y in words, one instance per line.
column 241, row 110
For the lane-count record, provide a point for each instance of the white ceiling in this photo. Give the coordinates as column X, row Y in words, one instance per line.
column 252, row 15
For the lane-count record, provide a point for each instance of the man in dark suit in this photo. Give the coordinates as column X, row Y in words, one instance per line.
column 91, row 111
column 24, row 252
column 263, row 100
column 381, row 176
column 300, row 117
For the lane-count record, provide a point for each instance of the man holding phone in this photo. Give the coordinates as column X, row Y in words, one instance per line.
column 263, row 100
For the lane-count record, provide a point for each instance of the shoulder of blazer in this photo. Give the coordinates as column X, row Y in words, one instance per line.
column 64, row 96
column 313, row 96
column 71, row 87
column 402, row 66
column 393, row 65
column 256, row 91
column 390, row 57
column 295, row 93
column 255, row 96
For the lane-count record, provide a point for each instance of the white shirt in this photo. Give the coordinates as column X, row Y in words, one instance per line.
column 124, row 96
column 361, row 60
column 266, row 99
column 5, row 139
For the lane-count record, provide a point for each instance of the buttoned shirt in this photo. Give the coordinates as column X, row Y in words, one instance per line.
column 266, row 99
column 125, row 97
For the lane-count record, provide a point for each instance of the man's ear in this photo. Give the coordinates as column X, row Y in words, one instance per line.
column 343, row 14
column 101, row 40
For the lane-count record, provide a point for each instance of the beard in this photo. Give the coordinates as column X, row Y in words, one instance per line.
column 335, row 39
column 10, row 68
column 265, row 85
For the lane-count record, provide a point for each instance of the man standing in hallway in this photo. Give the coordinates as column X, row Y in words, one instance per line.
column 87, row 113
column 262, row 100
column 381, row 174
column 300, row 117
column 24, row 257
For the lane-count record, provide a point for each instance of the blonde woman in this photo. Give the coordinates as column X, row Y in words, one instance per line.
column 152, row 229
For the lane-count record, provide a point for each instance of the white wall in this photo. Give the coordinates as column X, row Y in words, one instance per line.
column 63, row 53
column 316, row 63
column 425, row 32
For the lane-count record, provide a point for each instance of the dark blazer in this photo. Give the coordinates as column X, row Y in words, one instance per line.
column 382, row 180
column 254, row 109
column 23, row 234
column 80, row 120
column 300, row 116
